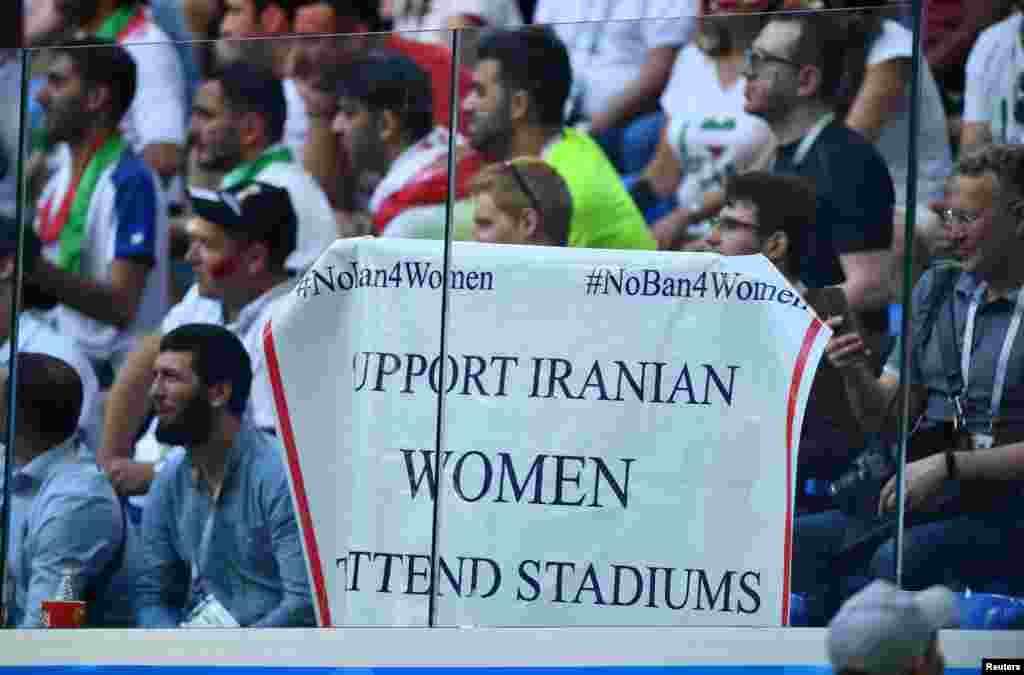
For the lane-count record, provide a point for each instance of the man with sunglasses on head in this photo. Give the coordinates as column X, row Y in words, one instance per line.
column 794, row 72
column 514, row 112
column 521, row 201
column 965, row 477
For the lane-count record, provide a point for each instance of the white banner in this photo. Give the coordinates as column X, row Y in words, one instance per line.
column 620, row 433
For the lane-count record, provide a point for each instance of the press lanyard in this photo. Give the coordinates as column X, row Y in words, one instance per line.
column 1002, row 365
column 808, row 140
column 201, row 552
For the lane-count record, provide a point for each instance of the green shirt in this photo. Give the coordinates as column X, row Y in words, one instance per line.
column 603, row 213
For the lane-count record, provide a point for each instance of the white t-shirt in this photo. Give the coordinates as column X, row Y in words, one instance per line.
column 127, row 218
column 432, row 25
column 36, row 335
column 296, row 125
column 708, row 130
column 610, row 47
column 317, row 225
column 157, row 113
column 994, row 68
column 935, row 161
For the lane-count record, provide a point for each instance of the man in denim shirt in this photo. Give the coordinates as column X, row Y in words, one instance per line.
column 65, row 518
column 219, row 526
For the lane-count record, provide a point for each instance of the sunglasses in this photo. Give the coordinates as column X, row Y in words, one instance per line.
column 523, row 185
column 726, row 224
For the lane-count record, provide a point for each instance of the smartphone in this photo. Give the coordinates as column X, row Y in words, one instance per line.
column 831, row 301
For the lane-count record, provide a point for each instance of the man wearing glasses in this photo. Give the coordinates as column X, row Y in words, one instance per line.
column 965, row 480
column 794, row 74
column 769, row 214
column 522, row 201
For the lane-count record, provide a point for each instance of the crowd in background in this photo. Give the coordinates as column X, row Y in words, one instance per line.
column 188, row 158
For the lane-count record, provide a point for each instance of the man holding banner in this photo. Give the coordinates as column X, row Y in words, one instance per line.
column 521, row 201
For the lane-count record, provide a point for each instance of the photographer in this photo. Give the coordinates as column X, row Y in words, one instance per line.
column 966, row 464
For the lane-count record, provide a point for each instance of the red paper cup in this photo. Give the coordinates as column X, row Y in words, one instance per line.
column 63, row 613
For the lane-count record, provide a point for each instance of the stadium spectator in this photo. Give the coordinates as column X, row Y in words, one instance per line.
column 316, row 62
column 994, row 95
column 220, row 515
column 950, row 30
column 237, row 125
column 514, row 113
column 154, row 124
column 521, row 201
column 770, row 214
column 622, row 54
column 885, row 631
column 101, row 218
column 239, row 242
column 794, row 73
column 430, row 20
column 65, row 518
column 965, row 479
column 269, row 22
column 707, row 136
column 879, row 66
column 36, row 335
column 386, row 128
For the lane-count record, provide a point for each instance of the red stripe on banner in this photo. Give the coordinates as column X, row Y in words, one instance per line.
column 302, row 502
column 794, row 394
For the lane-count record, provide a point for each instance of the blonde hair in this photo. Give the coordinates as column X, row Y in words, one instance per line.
column 529, row 183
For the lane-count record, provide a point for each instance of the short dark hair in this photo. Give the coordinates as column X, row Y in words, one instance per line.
column 48, row 397
column 536, row 61
column 386, row 80
column 253, row 88
column 101, row 62
column 784, row 203
column 217, row 356
column 822, row 43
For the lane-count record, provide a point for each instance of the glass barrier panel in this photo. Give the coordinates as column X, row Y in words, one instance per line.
column 591, row 411
column 233, row 470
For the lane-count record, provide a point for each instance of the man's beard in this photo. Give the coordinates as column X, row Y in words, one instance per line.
column 494, row 137
column 224, row 154
column 194, row 425
column 66, row 122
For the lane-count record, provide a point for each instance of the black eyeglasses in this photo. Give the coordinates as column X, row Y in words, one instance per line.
column 523, row 185
column 754, row 59
column 727, row 224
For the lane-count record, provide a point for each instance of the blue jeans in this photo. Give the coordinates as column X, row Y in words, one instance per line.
column 973, row 550
column 632, row 146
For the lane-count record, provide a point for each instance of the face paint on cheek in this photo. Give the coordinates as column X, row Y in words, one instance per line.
column 225, row 267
